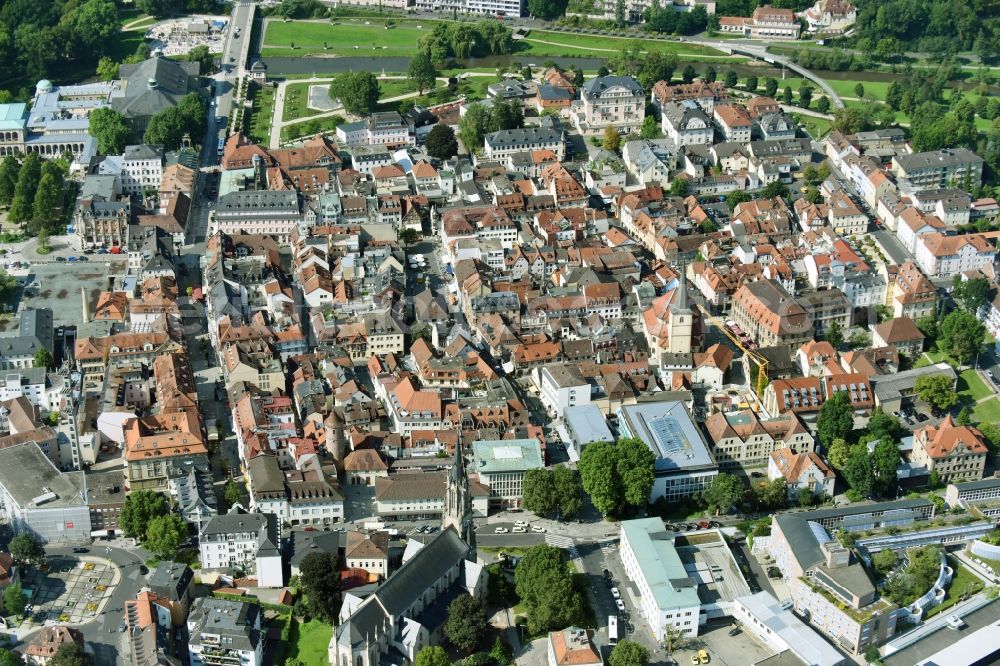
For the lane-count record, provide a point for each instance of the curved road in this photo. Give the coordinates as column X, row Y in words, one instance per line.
column 758, row 52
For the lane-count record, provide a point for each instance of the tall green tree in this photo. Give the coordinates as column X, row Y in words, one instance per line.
column 8, row 658
column 546, row 9
column 43, row 359
column 599, row 472
column 838, row 453
column 635, row 468
column 770, row 87
column 166, row 128
column 539, row 493
column 937, row 390
column 725, row 491
column 961, row 336
column 466, row 626
column 69, row 653
column 201, row 55
column 320, row 582
column 22, row 205
column 751, row 83
column 971, row 294
column 9, row 169
column 140, row 507
column 432, row 655
column 656, row 66
column 859, row 471
column 689, row 73
column 628, row 653
column 441, row 142
column 422, row 71
column 27, row 548
column 836, row 418
column 13, row 599
column 885, row 460
column 95, row 22
column 232, row 492
column 357, row 91
column 48, row 202
column 165, row 534
column 569, row 491
column 731, row 79
column 111, row 131
column 545, row 586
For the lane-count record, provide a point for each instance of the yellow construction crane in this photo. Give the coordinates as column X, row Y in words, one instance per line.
column 758, row 359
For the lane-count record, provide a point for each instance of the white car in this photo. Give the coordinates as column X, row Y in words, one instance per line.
column 621, row 606
column 500, row 530
column 519, row 530
column 615, row 593
column 537, row 528
column 520, row 523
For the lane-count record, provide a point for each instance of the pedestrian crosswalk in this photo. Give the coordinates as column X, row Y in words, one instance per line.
column 558, row 541
column 609, row 547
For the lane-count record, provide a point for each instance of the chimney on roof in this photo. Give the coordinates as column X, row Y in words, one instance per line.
column 86, row 305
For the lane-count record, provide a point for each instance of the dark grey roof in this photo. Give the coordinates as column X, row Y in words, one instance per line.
column 409, row 583
column 679, row 114
column 142, row 152
column 552, row 93
column 171, row 580
column 801, row 539
column 977, row 485
column 595, row 87
column 258, row 203
column 303, row 543
column 266, row 477
column 528, row 136
column 235, row 622
column 937, row 159
column 153, row 85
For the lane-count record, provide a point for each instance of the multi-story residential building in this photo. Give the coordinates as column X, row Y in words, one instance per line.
column 909, row 293
column 704, row 94
column 668, row 596
column 368, row 551
column 241, row 541
column 105, row 498
column 501, row 465
column 912, row 223
column 956, row 453
column 827, row 308
column 742, row 439
column 802, row 470
column 901, row 333
column 379, row 129
column 41, row 648
column 511, row 8
column 948, row 167
column 296, row 497
column 48, row 504
column 152, row 443
column 141, row 168
column 845, row 215
column 500, row 145
column 268, row 212
column 148, row 628
column 767, row 22
column 952, row 205
column 101, row 219
column 610, row 101
column 941, row 256
column 222, row 632
column 173, row 582
column 561, row 386
column 686, row 124
column 734, row 122
column 830, row 17
column 684, row 464
column 770, row 316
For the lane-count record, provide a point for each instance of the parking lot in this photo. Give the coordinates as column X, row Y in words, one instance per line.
column 71, row 591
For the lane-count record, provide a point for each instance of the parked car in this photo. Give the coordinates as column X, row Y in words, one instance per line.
column 735, row 631
column 60, row 258
column 81, row 549
column 537, row 528
column 621, row 606
column 519, row 530
column 615, row 593
column 500, row 530
column 703, row 656
column 520, row 523
column 72, row 257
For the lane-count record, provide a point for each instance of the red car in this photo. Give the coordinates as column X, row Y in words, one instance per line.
column 703, row 525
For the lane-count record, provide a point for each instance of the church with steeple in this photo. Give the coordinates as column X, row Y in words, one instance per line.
column 406, row 612
column 670, row 324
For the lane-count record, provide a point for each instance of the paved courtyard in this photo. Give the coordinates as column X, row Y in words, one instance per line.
column 72, row 591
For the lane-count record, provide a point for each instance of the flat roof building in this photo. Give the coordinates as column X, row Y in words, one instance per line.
column 586, row 424
column 667, row 594
column 35, row 497
column 684, row 465
column 501, row 465
column 779, row 628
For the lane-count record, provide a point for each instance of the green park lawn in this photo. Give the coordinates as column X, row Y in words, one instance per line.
column 363, row 37
column 308, row 128
column 964, row 582
column 262, row 115
column 971, row 385
column 309, row 642
column 817, row 127
column 987, row 411
column 296, row 99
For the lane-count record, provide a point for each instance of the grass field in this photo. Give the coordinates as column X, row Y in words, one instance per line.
column 364, row 37
column 817, row 127
column 296, row 98
column 309, row 642
column 262, row 115
column 965, row 582
column 310, row 127
column 971, row 385
column 987, row 411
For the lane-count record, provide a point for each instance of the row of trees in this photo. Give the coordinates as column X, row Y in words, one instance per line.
column 617, row 475
column 146, row 516
column 667, row 20
column 450, row 41
column 553, row 491
column 479, row 121
column 887, row 28
column 34, row 190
